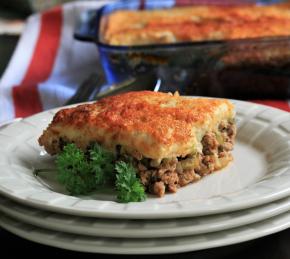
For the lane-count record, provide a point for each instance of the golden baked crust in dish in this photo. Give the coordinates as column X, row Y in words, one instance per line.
column 173, row 140
column 195, row 23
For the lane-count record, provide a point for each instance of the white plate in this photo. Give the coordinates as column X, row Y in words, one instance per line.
column 141, row 228
column 146, row 246
column 259, row 174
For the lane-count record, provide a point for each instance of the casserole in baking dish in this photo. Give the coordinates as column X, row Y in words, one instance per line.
column 244, row 54
column 195, row 23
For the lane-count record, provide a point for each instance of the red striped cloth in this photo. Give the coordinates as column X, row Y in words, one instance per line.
column 49, row 64
column 40, row 66
column 283, row 105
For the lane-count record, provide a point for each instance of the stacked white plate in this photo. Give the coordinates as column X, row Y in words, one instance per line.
column 248, row 199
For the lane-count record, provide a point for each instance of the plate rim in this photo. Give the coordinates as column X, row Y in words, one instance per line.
column 268, row 229
column 260, row 213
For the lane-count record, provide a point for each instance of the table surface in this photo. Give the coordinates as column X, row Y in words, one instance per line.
column 275, row 246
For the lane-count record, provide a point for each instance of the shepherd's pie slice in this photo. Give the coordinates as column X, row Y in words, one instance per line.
column 173, row 140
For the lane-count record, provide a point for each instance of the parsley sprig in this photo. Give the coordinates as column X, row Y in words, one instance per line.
column 74, row 172
column 128, row 185
column 81, row 173
column 102, row 164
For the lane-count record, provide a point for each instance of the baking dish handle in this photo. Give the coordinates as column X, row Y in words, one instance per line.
column 87, row 27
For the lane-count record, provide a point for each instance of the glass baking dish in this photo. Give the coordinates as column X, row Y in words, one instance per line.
column 243, row 69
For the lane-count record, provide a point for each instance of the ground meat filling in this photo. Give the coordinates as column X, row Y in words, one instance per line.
column 170, row 174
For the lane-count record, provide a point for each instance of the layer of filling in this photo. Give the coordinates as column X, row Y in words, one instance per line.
column 160, row 176
column 170, row 174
